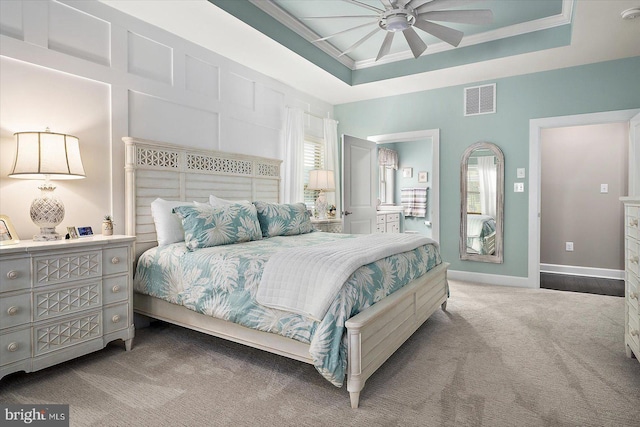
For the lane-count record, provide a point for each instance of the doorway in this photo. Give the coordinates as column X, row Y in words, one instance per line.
column 535, row 131
column 432, row 135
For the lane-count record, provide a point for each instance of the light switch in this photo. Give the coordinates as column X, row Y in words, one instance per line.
column 518, row 187
column 604, row 188
column 520, row 173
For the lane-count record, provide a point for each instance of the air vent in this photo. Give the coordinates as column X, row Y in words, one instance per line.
column 480, row 100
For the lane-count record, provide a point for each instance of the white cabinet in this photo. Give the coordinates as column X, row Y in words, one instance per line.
column 63, row 299
column 632, row 283
column 388, row 222
column 327, row 225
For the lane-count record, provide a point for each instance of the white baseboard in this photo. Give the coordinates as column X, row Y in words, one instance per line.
column 572, row 270
column 493, row 279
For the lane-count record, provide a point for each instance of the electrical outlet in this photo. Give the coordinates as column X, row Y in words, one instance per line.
column 518, row 187
column 520, row 173
column 569, row 246
column 604, row 188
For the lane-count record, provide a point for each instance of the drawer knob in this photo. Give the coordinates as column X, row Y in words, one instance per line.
column 115, row 260
column 634, row 332
column 12, row 275
column 116, row 318
column 12, row 311
column 115, row 289
column 12, row 347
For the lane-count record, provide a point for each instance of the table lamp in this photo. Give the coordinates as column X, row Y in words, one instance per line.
column 322, row 180
column 47, row 155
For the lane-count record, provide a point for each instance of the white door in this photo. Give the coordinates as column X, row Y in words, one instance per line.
column 359, row 185
column 634, row 156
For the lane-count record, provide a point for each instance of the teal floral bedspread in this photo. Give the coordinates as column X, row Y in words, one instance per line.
column 222, row 281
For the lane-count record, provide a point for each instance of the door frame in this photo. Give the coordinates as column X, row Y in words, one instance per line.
column 418, row 135
column 535, row 129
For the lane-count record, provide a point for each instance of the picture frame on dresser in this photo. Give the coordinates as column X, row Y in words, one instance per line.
column 8, row 235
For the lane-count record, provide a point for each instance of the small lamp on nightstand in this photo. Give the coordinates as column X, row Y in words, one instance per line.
column 47, row 155
column 322, row 180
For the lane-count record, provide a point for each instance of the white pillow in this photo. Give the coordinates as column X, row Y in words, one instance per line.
column 168, row 225
column 218, row 202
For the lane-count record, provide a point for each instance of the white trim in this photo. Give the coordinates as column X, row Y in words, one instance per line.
column 490, row 279
column 535, row 127
column 573, row 270
column 418, row 135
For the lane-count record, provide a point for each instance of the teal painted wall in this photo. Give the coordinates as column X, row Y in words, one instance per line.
column 606, row 86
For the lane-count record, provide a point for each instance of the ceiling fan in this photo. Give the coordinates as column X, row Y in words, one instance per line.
column 405, row 15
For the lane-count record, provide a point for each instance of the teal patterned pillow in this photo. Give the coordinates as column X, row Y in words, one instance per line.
column 206, row 226
column 282, row 219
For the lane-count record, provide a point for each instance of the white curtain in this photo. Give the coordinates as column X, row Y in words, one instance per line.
column 331, row 158
column 294, row 156
column 388, row 158
column 488, row 177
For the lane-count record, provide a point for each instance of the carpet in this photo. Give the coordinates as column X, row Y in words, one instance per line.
column 499, row 356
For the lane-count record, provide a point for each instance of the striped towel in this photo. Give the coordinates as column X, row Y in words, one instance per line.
column 414, row 201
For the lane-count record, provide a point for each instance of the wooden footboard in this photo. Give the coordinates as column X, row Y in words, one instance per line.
column 377, row 332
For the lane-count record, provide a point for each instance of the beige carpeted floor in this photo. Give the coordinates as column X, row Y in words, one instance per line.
column 499, row 356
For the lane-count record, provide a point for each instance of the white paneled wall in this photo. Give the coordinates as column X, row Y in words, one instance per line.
column 83, row 68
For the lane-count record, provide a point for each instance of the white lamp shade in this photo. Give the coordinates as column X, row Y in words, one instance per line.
column 321, row 180
column 40, row 154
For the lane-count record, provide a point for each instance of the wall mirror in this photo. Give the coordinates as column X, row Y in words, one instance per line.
column 482, row 203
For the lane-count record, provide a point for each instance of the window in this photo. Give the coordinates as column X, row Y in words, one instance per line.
column 473, row 189
column 313, row 159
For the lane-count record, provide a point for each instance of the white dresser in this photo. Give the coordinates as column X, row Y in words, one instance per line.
column 63, row 299
column 328, row 225
column 632, row 283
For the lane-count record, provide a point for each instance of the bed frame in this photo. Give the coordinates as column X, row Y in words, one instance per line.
column 155, row 169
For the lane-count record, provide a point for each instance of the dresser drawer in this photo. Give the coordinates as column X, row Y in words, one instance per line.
column 66, row 332
column 15, row 346
column 632, row 225
column 15, row 310
column 59, row 268
column 632, row 255
column 115, row 289
column 115, row 260
column 49, row 303
column 15, row 274
column 116, row 318
column 633, row 290
column 393, row 217
column 634, row 330
column 380, row 219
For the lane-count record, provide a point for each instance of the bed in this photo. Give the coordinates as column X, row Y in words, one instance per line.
column 481, row 234
column 158, row 170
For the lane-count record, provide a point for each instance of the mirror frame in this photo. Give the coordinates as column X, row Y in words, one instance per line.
column 498, row 255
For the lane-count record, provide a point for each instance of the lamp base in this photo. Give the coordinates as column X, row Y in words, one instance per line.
column 47, row 234
column 321, row 206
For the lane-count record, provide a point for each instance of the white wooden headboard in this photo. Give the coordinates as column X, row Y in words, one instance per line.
column 156, row 169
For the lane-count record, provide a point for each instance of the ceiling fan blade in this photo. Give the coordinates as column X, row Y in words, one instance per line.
column 387, row 4
column 309, row 18
column 359, row 42
column 345, row 31
column 366, row 6
column 478, row 17
column 402, row 3
column 386, row 45
column 426, row 6
column 446, row 34
column 415, row 42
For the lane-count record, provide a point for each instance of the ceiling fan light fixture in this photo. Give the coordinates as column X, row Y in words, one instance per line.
column 397, row 23
column 632, row 13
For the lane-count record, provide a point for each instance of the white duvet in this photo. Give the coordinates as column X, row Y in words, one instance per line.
column 306, row 280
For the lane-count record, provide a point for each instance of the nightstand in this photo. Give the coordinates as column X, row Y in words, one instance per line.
column 327, row 225
column 63, row 299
